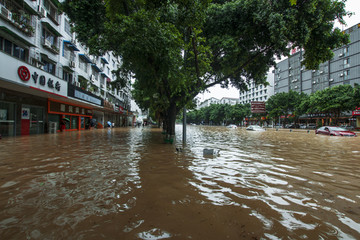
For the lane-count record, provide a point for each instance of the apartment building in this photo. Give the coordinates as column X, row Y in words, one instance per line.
column 46, row 75
column 258, row 92
column 343, row 68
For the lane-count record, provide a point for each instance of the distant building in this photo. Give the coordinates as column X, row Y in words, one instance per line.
column 208, row 102
column 230, row 101
column 224, row 100
column 258, row 92
column 343, row 68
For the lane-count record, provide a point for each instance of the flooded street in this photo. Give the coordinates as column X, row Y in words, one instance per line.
column 125, row 183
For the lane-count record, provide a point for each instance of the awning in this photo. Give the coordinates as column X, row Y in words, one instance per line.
column 104, row 60
column 85, row 58
column 46, row 57
column 104, row 75
column 67, row 68
column 56, row 3
column 82, row 77
column 7, row 31
column 71, row 45
column 51, row 28
column 96, row 67
column 30, row 8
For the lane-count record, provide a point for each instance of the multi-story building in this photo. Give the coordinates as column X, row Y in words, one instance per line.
column 208, row 102
column 343, row 68
column 212, row 100
column 258, row 92
column 47, row 75
column 230, row 101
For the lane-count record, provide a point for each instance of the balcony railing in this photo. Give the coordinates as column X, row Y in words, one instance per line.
column 53, row 47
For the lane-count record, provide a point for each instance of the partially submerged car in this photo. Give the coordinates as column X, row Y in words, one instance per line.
column 255, row 128
column 335, row 131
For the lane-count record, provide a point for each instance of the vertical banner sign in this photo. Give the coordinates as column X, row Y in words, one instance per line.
column 25, row 121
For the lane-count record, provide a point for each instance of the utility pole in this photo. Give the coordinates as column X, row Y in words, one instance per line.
column 184, row 126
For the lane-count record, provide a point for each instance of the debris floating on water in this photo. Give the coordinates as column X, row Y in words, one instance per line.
column 211, row 151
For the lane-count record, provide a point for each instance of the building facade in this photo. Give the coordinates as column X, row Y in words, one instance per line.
column 258, row 92
column 212, row 100
column 344, row 68
column 46, row 75
column 208, row 102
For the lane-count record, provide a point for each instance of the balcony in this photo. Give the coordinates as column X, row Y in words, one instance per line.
column 19, row 19
column 50, row 46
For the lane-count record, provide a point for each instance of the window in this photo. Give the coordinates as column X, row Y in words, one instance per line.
column 52, row 11
column 18, row 52
column 83, row 65
column 50, row 37
column 13, row 49
column 67, row 76
column 67, row 27
column 49, row 67
column 346, row 61
column 7, row 46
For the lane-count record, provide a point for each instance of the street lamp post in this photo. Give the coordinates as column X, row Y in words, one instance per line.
column 184, row 126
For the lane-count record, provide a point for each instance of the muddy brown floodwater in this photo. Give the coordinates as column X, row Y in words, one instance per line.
column 126, row 183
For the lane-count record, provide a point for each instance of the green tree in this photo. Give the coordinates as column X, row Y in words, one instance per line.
column 176, row 49
column 284, row 104
column 356, row 95
column 333, row 101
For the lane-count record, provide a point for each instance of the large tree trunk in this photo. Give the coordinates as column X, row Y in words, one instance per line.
column 170, row 119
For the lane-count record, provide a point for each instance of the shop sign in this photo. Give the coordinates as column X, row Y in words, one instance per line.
column 119, row 109
column 25, row 113
column 108, row 105
column 42, row 80
column 57, row 107
column 258, row 107
column 356, row 112
column 87, row 97
column 288, row 116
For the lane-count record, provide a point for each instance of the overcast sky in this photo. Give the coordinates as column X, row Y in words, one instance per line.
column 218, row 92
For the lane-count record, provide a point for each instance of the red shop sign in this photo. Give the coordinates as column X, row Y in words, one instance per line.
column 24, row 73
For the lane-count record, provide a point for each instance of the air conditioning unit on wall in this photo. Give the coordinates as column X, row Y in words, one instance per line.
column 47, row 43
column 5, row 12
column 42, row 11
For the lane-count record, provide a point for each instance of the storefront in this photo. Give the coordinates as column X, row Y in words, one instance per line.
column 7, row 118
column 74, row 116
column 356, row 117
column 21, row 114
column 24, row 96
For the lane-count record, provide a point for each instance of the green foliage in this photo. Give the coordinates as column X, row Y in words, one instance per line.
column 178, row 48
column 217, row 114
column 333, row 100
column 283, row 104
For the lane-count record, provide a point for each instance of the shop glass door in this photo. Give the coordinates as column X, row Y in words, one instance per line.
column 36, row 120
column 7, row 119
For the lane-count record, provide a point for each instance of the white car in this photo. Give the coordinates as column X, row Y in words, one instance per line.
column 255, row 128
column 231, row 126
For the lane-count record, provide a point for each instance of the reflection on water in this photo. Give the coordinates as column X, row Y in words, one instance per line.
column 128, row 184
